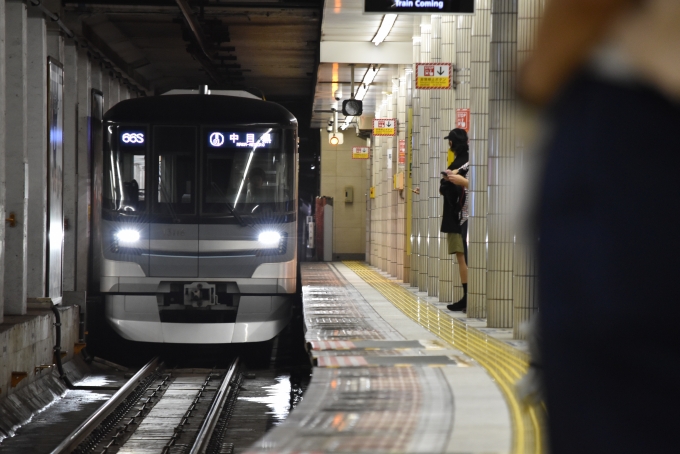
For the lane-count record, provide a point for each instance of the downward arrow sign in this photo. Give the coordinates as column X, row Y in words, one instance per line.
column 440, row 71
column 389, row 124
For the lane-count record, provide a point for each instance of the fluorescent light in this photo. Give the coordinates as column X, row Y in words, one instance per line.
column 385, row 28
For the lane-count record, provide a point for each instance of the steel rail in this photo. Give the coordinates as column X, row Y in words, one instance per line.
column 205, row 432
column 82, row 431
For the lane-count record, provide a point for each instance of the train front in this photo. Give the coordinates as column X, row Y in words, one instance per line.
column 198, row 221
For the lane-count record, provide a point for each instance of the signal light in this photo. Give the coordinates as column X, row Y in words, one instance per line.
column 335, row 138
column 352, row 107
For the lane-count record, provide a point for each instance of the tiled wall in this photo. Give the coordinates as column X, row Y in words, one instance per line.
column 485, row 49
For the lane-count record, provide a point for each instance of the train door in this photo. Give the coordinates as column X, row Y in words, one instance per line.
column 173, row 230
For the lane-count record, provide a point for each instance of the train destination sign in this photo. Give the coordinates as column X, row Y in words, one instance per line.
column 242, row 139
column 132, row 137
column 419, row 6
column 433, row 76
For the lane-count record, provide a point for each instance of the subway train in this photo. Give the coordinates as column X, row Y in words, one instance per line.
column 198, row 218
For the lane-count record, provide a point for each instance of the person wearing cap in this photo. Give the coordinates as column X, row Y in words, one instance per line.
column 454, row 217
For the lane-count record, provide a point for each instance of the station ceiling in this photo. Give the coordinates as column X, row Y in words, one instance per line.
column 266, row 47
column 270, row 48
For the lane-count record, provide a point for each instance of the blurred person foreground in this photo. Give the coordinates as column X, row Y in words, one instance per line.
column 606, row 74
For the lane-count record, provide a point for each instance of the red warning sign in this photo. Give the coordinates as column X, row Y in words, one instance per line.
column 463, row 119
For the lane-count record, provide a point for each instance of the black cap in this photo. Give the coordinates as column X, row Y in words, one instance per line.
column 457, row 135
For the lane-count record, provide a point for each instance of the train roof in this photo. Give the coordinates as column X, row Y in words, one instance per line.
column 203, row 109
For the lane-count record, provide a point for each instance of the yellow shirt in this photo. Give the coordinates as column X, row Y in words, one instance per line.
column 452, row 157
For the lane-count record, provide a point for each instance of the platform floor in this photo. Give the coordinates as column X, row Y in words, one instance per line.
column 385, row 382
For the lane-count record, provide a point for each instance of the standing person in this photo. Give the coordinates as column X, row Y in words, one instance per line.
column 607, row 74
column 454, row 216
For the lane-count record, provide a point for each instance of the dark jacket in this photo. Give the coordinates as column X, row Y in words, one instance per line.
column 453, row 198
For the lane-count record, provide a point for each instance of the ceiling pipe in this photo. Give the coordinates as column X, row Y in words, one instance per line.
column 206, row 58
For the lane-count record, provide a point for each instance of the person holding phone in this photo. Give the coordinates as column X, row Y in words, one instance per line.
column 454, row 217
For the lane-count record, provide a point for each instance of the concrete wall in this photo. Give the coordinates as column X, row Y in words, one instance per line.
column 339, row 170
column 27, row 342
column 27, row 40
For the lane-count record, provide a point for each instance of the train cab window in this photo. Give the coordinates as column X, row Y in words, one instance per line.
column 175, row 157
column 125, row 170
column 251, row 179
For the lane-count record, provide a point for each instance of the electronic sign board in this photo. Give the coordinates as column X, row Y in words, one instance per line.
column 242, row 139
column 419, row 6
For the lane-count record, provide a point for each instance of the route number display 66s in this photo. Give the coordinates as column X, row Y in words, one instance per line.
column 133, row 137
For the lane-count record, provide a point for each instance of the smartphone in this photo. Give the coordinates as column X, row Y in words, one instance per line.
column 444, row 173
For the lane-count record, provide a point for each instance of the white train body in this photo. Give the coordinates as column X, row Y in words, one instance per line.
column 197, row 221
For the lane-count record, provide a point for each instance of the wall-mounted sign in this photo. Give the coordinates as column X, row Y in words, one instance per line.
column 401, row 158
column 433, row 76
column 463, row 119
column 242, row 139
column 389, row 158
column 371, row 192
column 360, row 152
column 419, row 6
column 132, row 138
column 385, row 127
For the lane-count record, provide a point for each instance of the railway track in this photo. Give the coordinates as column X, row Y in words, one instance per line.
column 161, row 410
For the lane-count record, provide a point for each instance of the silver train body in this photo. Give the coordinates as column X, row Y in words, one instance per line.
column 198, row 219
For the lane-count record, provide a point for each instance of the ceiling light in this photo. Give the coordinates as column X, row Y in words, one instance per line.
column 385, row 27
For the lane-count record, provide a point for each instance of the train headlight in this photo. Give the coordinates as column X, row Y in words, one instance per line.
column 127, row 236
column 269, row 238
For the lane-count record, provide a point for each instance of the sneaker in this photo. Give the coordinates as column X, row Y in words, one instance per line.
column 459, row 306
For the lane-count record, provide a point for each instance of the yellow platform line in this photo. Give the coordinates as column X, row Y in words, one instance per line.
column 503, row 362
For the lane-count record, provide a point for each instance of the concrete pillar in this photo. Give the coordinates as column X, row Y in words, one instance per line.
column 375, row 214
column 480, row 38
column 369, row 201
column 400, row 196
column 70, row 195
column 16, row 160
column 36, row 66
column 392, row 251
column 525, row 280
column 501, row 162
column 378, row 176
column 381, row 192
column 3, row 149
column 448, row 105
column 114, row 92
column 54, row 39
column 462, row 48
column 82, row 168
column 415, row 162
column 434, row 150
column 424, row 152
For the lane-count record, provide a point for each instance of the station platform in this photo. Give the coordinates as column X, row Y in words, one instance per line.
column 396, row 372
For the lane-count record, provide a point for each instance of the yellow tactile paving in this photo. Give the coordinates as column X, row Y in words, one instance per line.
column 503, row 362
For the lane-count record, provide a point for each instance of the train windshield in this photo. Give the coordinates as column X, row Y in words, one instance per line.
column 196, row 171
column 124, row 176
column 250, row 171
